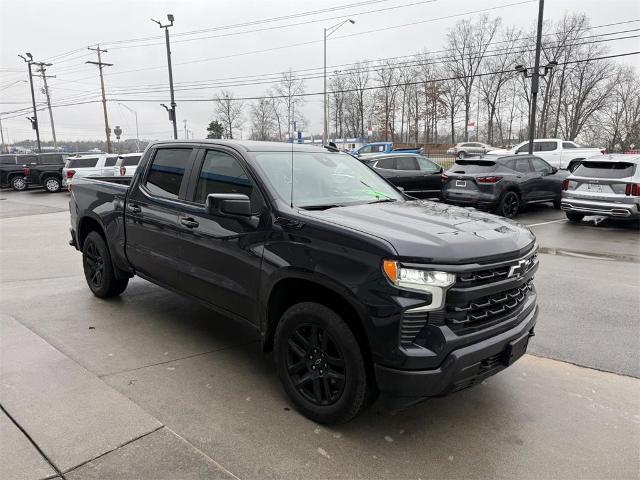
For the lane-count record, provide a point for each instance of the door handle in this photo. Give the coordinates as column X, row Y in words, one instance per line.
column 189, row 222
column 135, row 208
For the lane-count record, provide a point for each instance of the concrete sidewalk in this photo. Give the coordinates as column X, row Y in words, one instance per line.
column 57, row 418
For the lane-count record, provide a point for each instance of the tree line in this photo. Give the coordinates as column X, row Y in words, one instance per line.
column 431, row 97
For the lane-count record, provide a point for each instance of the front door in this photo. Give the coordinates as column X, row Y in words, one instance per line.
column 151, row 217
column 221, row 254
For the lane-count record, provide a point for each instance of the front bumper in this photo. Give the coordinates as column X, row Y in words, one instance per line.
column 462, row 368
column 595, row 207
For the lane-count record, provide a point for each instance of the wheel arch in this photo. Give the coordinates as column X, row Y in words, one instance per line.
column 86, row 225
column 291, row 290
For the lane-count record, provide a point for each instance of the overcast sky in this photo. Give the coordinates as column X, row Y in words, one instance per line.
column 49, row 29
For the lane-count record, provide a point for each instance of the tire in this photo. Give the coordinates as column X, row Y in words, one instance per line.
column 52, row 184
column 509, row 204
column 320, row 364
column 98, row 268
column 461, row 155
column 18, row 184
column 574, row 216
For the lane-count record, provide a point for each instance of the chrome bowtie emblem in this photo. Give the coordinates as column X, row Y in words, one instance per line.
column 519, row 269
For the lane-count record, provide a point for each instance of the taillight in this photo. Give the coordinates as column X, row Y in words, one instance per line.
column 444, row 177
column 26, row 171
column 70, row 173
column 632, row 189
column 123, row 171
column 491, row 179
column 565, row 184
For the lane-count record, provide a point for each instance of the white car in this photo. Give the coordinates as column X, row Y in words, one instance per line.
column 557, row 153
column 469, row 149
column 126, row 164
column 100, row 165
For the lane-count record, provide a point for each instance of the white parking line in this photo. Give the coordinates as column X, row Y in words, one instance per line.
column 545, row 223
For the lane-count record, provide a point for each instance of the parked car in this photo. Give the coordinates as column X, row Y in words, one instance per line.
column 100, row 165
column 502, row 184
column 126, row 164
column 377, row 148
column 608, row 186
column 557, row 153
column 418, row 176
column 44, row 169
column 355, row 288
column 11, row 173
column 467, row 149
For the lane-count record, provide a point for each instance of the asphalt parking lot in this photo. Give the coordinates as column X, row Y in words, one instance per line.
column 151, row 385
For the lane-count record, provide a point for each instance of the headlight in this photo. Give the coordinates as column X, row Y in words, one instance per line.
column 433, row 282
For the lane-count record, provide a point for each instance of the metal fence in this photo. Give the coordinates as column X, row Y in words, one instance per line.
column 445, row 160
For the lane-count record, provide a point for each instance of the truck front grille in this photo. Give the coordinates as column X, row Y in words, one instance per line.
column 485, row 311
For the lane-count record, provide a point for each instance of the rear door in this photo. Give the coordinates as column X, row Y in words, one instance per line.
column 108, row 167
column 408, row 174
column 152, row 213
column 549, row 151
column 221, row 264
column 386, row 167
column 526, row 177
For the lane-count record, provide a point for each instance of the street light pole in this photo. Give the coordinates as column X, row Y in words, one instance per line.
column 34, row 123
column 172, row 110
column 137, row 133
column 327, row 33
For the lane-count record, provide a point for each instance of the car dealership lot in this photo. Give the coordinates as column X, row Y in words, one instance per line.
column 170, row 389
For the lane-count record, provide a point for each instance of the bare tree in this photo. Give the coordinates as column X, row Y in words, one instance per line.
column 359, row 99
column 263, row 124
column 468, row 43
column 229, row 111
column 290, row 89
column 387, row 77
column 452, row 97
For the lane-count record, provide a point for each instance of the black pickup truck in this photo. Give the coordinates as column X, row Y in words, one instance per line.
column 45, row 169
column 358, row 290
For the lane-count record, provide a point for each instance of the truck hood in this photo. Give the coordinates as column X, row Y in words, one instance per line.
column 431, row 232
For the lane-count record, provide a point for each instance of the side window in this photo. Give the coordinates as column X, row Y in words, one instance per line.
column 540, row 165
column 386, row 163
column 167, row 171
column 366, row 149
column 406, row 163
column 427, row 165
column 110, row 161
column 568, row 145
column 130, row 161
column 545, row 146
column 525, row 148
column 221, row 173
column 522, row 165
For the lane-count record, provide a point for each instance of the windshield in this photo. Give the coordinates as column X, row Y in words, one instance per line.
column 323, row 179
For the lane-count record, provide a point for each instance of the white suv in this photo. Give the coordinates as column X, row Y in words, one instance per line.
column 127, row 164
column 100, row 165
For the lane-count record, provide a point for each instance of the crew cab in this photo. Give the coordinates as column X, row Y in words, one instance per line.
column 378, row 148
column 557, row 153
column 43, row 169
column 356, row 289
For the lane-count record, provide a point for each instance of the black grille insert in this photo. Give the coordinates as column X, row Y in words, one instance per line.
column 487, row 310
column 412, row 323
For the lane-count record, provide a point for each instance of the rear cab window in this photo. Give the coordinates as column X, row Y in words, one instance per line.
column 87, row 162
column 386, row 163
column 166, row 172
column 595, row 169
column 7, row 160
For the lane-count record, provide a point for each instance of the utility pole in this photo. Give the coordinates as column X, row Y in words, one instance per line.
column 101, row 64
column 535, row 76
column 186, row 132
column 42, row 71
column 328, row 32
column 34, row 123
column 172, row 110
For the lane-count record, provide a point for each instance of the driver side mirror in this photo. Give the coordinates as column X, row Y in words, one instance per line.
column 235, row 204
column 554, row 170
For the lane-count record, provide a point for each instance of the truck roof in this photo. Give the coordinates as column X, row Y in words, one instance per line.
column 247, row 145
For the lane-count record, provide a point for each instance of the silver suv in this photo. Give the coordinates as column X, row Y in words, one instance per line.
column 468, row 149
column 607, row 186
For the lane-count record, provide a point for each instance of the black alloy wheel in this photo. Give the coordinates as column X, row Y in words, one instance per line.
column 321, row 365
column 98, row 269
column 315, row 365
column 509, row 205
column 94, row 265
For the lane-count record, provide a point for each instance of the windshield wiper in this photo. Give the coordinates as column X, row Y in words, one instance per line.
column 319, row 207
column 376, row 193
column 383, row 200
